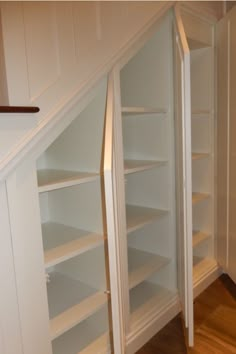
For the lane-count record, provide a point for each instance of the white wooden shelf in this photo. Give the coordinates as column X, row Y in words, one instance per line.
column 89, row 337
column 202, row 266
column 199, row 237
column 63, row 242
column 78, row 342
column 142, row 110
column 195, row 44
column 137, row 217
column 70, row 302
column 101, row 346
column 198, row 197
column 146, row 299
column 200, row 112
column 200, row 155
column 142, row 265
column 49, row 179
column 132, row 166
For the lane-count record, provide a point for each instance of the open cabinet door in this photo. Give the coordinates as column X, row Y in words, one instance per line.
column 183, row 172
column 226, row 143
column 232, row 145
column 113, row 220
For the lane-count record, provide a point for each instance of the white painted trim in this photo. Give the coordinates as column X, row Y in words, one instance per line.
column 206, row 280
column 112, row 220
column 119, row 184
column 187, row 166
column 188, row 171
column 213, row 146
column 28, row 260
column 228, row 144
column 136, row 340
column 214, row 143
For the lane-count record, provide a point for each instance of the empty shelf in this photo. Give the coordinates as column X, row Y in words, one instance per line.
column 198, row 197
column 63, row 242
column 148, row 298
column 137, row 216
column 200, row 155
column 202, row 266
column 70, row 302
column 49, row 180
column 101, row 346
column 142, row 265
column 200, row 112
column 81, row 343
column 132, row 166
column 89, row 337
column 195, row 44
column 199, row 236
column 142, row 110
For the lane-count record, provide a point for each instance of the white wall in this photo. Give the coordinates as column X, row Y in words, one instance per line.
column 55, row 51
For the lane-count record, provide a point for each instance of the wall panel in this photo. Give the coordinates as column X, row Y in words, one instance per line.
column 56, row 51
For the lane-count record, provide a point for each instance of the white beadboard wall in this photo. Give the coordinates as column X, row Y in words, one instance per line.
column 55, row 52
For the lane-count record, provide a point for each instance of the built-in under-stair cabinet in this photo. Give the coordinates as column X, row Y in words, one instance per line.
column 112, row 214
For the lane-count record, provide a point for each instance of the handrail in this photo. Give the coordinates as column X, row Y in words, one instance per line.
column 19, row 109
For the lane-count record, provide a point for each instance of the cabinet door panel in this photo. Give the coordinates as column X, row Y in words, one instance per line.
column 28, row 259
column 222, row 142
column 113, row 166
column 232, row 148
column 184, row 178
column 226, row 162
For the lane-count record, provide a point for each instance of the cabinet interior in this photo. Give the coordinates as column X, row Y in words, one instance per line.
column 74, row 242
column 202, row 64
column 146, row 85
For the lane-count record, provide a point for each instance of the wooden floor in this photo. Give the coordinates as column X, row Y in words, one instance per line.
column 170, row 340
column 215, row 325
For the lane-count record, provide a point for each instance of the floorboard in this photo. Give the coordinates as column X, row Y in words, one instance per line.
column 214, row 320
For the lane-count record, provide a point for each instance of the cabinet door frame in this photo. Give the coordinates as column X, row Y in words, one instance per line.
column 10, row 327
column 186, row 291
column 27, row 248
column 226, row 166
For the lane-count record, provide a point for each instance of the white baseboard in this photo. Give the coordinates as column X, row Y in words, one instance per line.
column 150, row 327
column 206, row 279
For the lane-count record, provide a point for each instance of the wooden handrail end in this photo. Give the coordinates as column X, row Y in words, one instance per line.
column 19, row 109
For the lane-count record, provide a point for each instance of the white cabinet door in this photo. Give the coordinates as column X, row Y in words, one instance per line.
column 222, row 142
column 226, row 154
column 232, row 149
column 184, row 174
column 112, row 160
